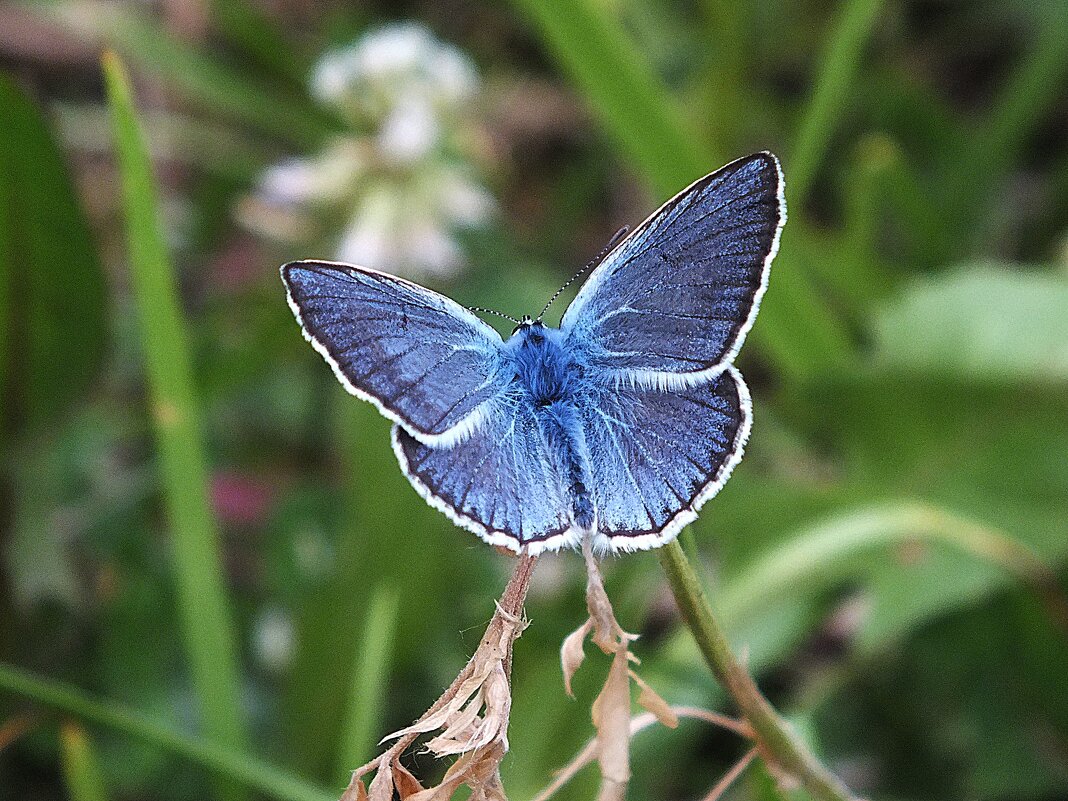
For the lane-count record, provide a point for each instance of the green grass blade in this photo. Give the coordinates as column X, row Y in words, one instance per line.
column 831, row 95
column 245, row 24
column 225, row 761
column 206, row 618
column 622, row 90
column 361, row 728
column 80, row 769
column 1028, row 93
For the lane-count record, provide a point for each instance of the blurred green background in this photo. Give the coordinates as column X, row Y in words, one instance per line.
column 211, row 542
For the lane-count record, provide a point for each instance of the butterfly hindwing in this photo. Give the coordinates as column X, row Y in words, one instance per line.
column 428, row 363
column 656, row 457
column 671, row 304
column 503, row 482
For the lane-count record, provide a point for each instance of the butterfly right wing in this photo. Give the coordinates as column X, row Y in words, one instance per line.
column 670, row 305
column 426, row 362
column 503, row 482
column 656, row 457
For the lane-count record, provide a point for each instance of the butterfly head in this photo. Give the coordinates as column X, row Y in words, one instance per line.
column 528, row 323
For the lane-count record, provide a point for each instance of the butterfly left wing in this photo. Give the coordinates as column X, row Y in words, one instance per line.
column 656, row 457
column 426, row 362
column 671, row 304
column 503, row 482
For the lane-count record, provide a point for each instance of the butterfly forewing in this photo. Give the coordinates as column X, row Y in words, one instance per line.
column 425, row 361
column 671, row 304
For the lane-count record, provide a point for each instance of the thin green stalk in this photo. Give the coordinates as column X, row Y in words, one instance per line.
column 203, row 606
column 81, row 771
column 325, row 667
column 777, row 743
column 367, row 696
column 232, row 764
column 833, row 90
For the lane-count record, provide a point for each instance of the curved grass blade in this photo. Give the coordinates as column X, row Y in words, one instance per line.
column 814, row 554
column 227, row 762
column 796, row 326
column 203, row 79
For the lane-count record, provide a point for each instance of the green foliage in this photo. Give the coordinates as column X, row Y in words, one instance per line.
column 988, row 323
column 891, row 554
column 80, row 767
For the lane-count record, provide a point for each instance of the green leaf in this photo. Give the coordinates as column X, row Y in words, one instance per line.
column 52, row 289
column 205, row 613
column 985, row 322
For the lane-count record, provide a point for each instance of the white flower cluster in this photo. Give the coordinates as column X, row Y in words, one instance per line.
column 400, row 187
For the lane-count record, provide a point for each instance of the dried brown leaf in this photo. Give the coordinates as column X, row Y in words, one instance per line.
column 572, row 653
column 460, row 731
column 355, row 791
column 407, row 785
column 381, row 788
column 651, row 700
column 611, row 716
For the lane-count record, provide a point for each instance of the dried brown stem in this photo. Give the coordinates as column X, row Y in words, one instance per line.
column 471, row 715
column 731, row 776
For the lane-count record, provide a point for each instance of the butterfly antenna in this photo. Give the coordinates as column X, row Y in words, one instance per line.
column 491, row 311
column 622, row 232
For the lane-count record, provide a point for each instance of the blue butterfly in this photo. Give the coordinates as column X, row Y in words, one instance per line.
column 616, row 426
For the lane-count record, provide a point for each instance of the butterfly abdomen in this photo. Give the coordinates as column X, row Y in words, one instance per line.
column 551, row 382
column 563, row 433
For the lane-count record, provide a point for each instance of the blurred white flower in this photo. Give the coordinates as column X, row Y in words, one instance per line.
column 274, row 638
column 327, row 178
column 393, row 194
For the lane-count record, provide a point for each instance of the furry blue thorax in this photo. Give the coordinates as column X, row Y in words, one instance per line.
column 543, row 366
